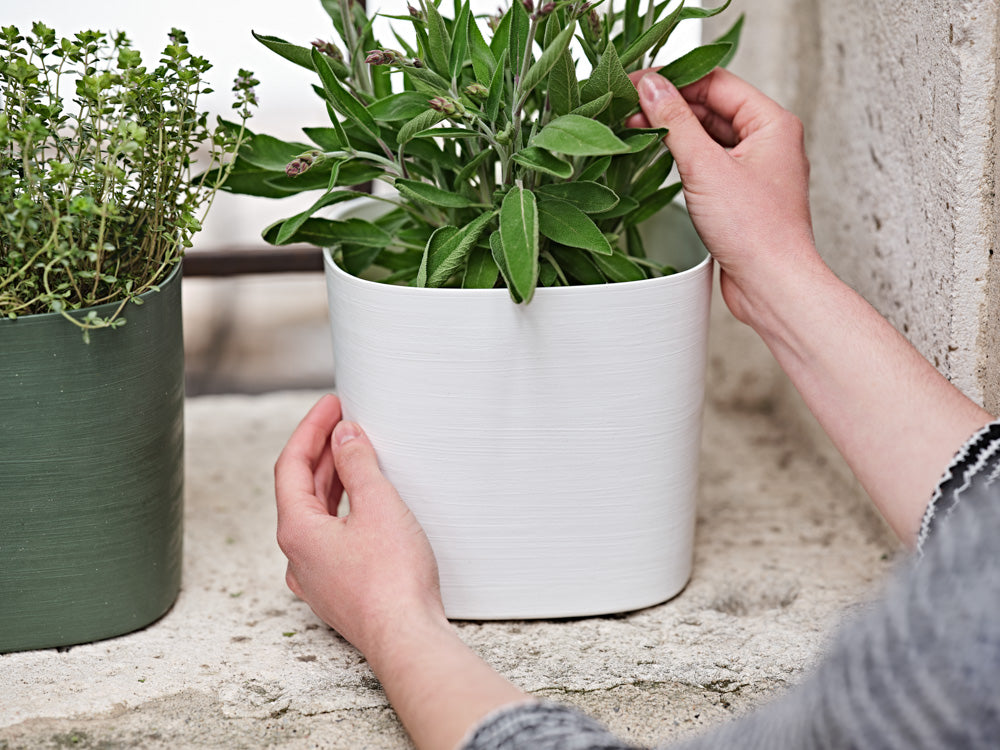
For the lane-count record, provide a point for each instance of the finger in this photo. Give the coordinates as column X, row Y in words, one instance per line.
column 719, row 128
column 637, row 120
column 295, row 469
column 368, row 489
column 733, row 100
column 664, row 107
column 328, row 486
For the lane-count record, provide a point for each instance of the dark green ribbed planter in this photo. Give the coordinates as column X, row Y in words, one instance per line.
column 91, row 474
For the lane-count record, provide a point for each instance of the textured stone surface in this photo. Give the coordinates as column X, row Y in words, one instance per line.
column 899, row 102
column 784, row 546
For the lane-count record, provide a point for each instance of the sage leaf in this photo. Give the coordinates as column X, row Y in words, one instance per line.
column 327, row 139
column 654, row 36
column 649, row 181
column 418, row 124
column 460, row 41
column 438, row 40
column 589, row 197
column 578, row 136
column 519, row 44
column 704, row 12
column 732, row 37
column 519, row 225
column 289, row 227
column 610, row 76
column 341, row 99
column 596, row 169
column 653, row 204
column 481, row 270
column 626, row 205
column 483, row 61
column 696, row 64
column 496, row 250
column 577, row 264
column 594, row 107
column 541, row 160
column 566, row 224
column 270, row 153
column 432, row 194
column 298, row 55
column 330, row 232
column 442, row 258
column 563, row 88
column 618, row 268
column 537, row 72
column 402, row 106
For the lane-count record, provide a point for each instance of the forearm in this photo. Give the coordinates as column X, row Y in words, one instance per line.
column 893, row 417
column 439, row 688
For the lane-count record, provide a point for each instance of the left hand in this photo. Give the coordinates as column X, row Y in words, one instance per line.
column 369, row 573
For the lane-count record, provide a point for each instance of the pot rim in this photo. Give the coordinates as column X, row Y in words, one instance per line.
column 175, row 272
column 680, row 277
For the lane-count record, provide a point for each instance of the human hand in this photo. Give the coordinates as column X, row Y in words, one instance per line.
column 370, row 572
column 742, row 162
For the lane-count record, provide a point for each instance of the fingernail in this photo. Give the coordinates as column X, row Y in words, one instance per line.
column 655, row 87
column 345, row 432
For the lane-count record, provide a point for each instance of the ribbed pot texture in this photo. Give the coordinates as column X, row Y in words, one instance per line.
column 91, row 473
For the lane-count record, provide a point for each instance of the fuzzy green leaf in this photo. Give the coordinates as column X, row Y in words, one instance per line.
column 617, row 267
column 481, row 270
column 519, row 236
column 298, row 55
column 289, row 227
column 566, row 224
column 652, row 178
column 402, row 106
column 578, row 136
column 589, row 197
column 327, row 139
column 626, row 204
column 483, row 61
column 696, row 64
column 520, row 27
column 654, row 36
column 496, row 250
column 435, row 196
column 577, row 264
column 418, row 124
column 654, row 203
column 541, row 160
column 595, row 170
column 438, row 41
column 460, row 42
column 563, row 88
column 497, row 88
column 610, row 76
column 537, row 72
column 329, row 232
column 594, row 107
column 731, row 37
column 341, row 99
column 270, row 153
column 444, row 257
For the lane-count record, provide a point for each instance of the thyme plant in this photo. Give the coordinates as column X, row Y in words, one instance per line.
column 507, row 168
column 97, row 198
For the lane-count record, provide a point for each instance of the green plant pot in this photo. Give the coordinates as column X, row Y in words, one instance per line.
column 91, row 473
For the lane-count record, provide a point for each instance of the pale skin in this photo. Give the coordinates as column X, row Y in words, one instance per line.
column 372, row 576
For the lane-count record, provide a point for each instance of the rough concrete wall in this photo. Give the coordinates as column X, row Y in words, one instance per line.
column 899, row 103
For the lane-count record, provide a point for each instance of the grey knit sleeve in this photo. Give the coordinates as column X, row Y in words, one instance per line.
column 918, row 670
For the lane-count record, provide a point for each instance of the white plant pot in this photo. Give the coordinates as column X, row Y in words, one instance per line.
column 549, row 450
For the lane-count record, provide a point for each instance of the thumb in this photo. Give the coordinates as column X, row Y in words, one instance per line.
column 358, row 470
column 664, row 107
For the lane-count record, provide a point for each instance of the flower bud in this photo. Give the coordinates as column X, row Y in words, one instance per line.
column 414, row 12
column 476, row 91
column 303, row 163
column 329, row 49
column 381, row 57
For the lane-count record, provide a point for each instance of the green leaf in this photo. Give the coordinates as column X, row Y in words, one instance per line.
column 519, row 226
column 654, row 36
column 609, row 75
column 577, row 264
column 652, row 178
column 418, row 124
column 496, row 250
column 578, row 136
column 641, row 141
column 425, row 79
column 466, row 172
column 596, row 169
column 481, row 270
column 327, row 139
column 438, row 40
column 696, row 64
column 289, row 227
column 704, row 12
column 445, row 253
column 497, row 89
column 594, row 107
column 270, row 153
column 356, row 259
column 501, row 35
column 520, row 27
column 460, row 41
column 654, row 203
column 402, row 106
column 563, row 89
column 548, row 274
column 448, row 133
column 566, row 224
column 537, row 72
column 589, row 197
column 483, row 61
column 330, row 232
column 540, row 160
column 626, row 204
column 618, row 268
column 731, row 37
column 342, row 100
column 435, row 196
column 298, row 55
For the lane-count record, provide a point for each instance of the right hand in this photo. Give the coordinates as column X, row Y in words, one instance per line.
column 742, row 162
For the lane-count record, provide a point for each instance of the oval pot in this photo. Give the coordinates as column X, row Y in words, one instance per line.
column 91, row 473
column 549, row 450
